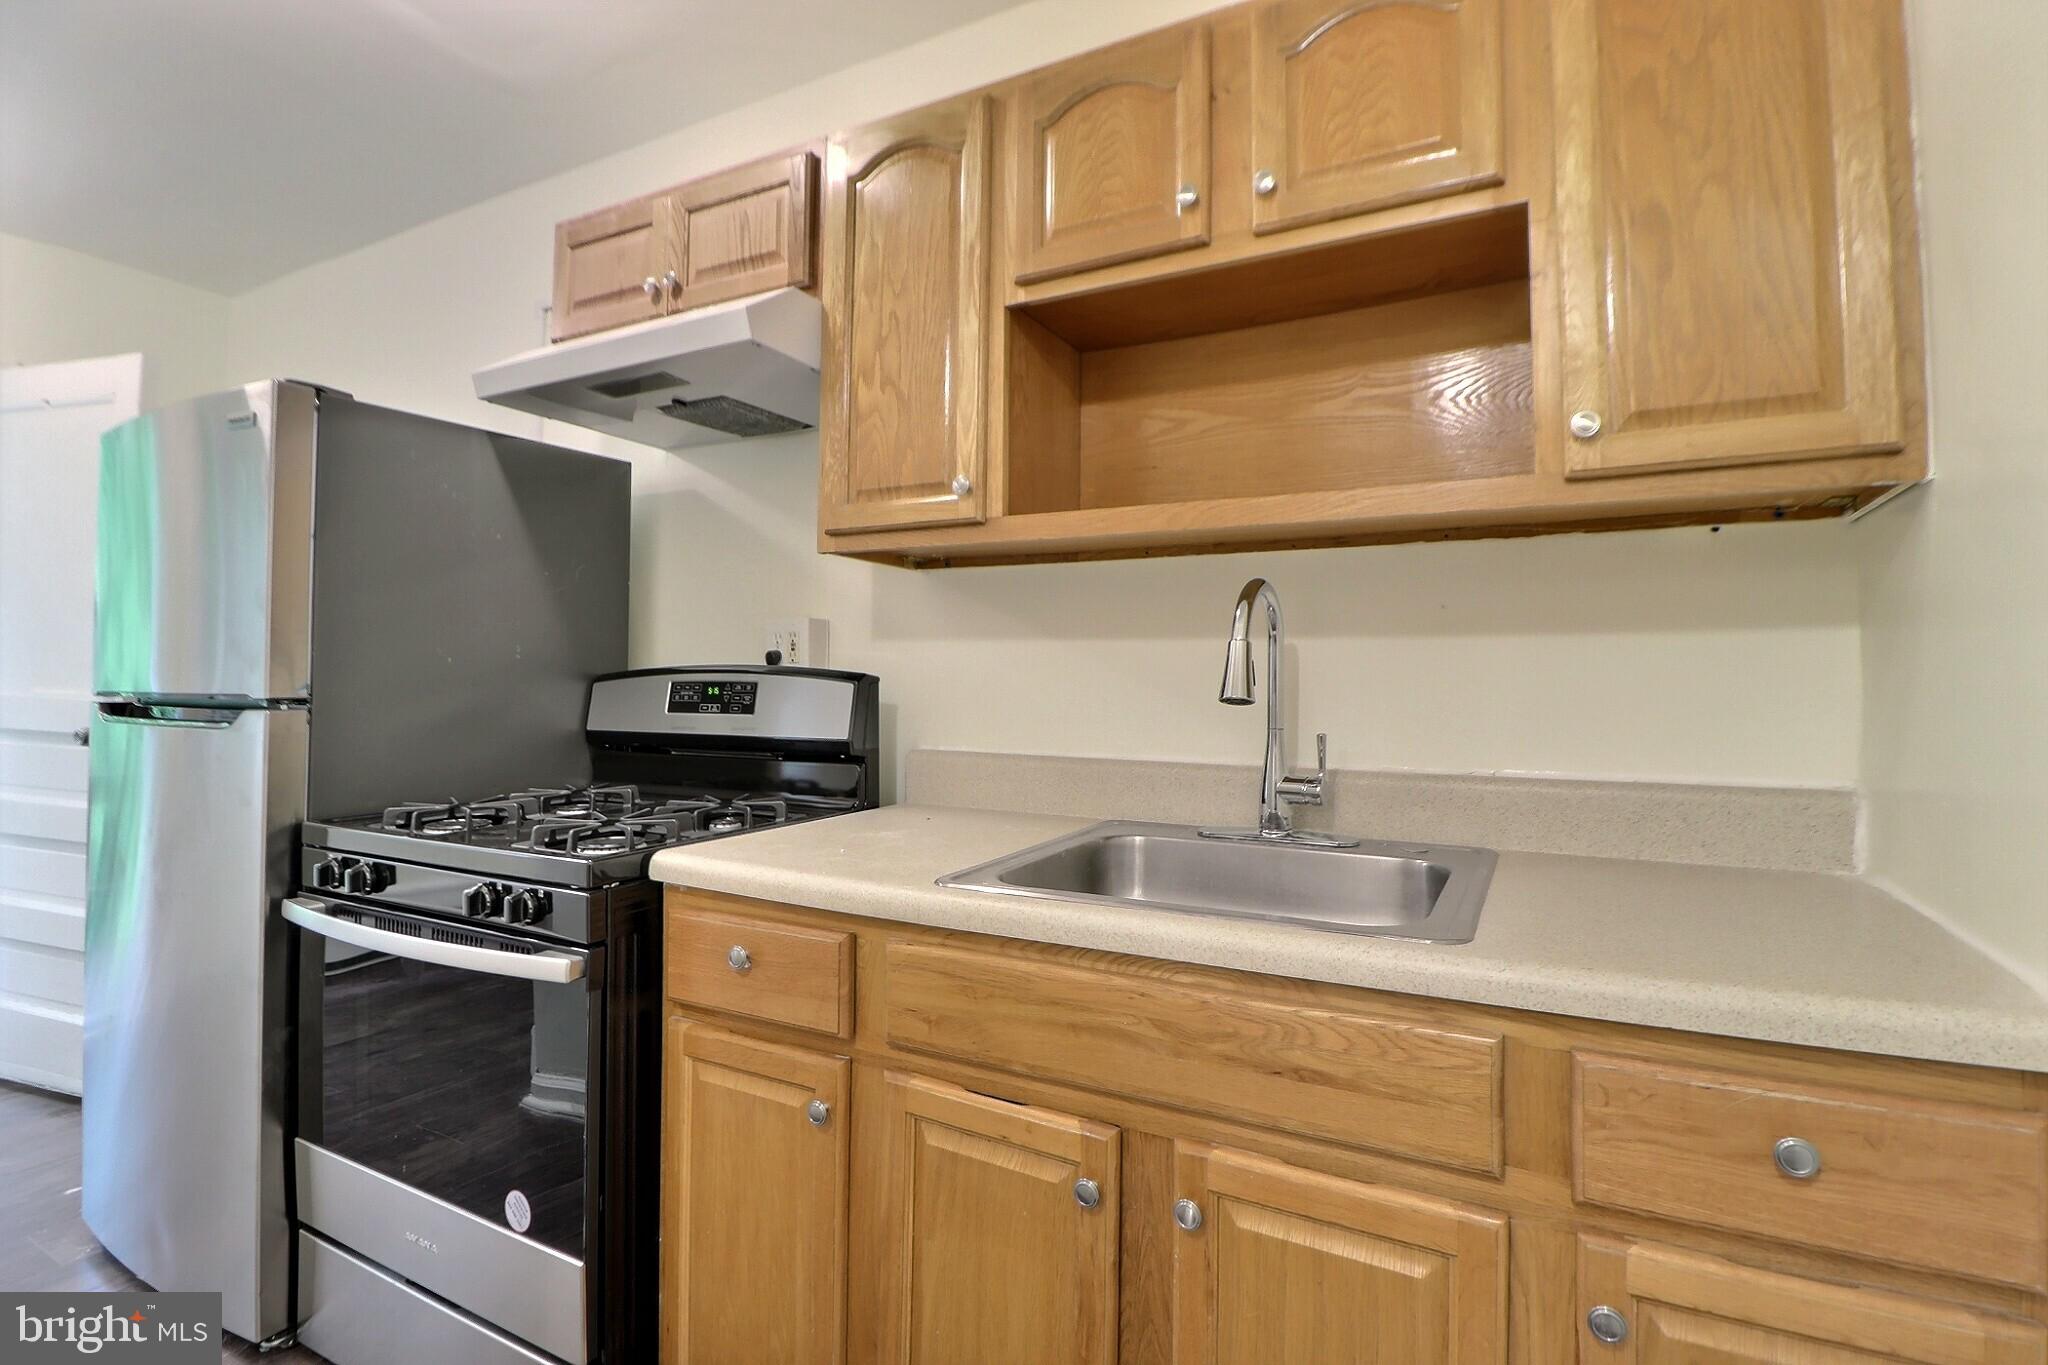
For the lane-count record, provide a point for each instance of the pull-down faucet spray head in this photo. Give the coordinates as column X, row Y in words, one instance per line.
column 1240, row 679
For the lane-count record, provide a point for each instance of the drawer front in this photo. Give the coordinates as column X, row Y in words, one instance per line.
column 1414, row 1089
column 1947, row 1187
column 763, row 970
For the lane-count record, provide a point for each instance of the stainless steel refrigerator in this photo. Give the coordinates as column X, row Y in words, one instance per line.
column 306, row 605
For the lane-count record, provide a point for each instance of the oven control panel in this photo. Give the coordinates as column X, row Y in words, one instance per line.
column 758, row 705
column 713, row 696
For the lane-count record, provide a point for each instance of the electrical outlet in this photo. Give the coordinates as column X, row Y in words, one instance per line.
column 801, row 641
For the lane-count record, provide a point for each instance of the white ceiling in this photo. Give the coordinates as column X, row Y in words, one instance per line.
column 226, row 142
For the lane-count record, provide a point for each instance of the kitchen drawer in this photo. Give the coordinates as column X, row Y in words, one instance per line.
column 1397, row 1085
column 1947, row 1187
column 761, row 969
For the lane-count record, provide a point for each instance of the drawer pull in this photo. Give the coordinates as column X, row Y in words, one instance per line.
column 739, row 959
column 1188, row 1214
column 1607, row 1325
column 1087, row 1193
column 1797, row 1158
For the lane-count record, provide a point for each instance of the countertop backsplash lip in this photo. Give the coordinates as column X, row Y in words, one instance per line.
column 1786, row 829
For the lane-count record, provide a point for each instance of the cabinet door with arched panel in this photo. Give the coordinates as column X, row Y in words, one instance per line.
column 1109, row 155
column 902, row 409
column 1360, row 105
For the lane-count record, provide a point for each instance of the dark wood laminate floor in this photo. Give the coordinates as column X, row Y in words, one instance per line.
column 44, row 1243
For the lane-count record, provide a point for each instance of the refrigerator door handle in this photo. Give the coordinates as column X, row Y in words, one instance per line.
column 548, row 965
column 151, row 713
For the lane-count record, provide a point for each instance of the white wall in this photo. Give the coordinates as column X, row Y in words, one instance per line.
column 1729, row 656
column 58, row 304
column 1955, row 753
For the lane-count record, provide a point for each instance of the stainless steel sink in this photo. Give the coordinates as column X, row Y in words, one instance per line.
column 1396, row 890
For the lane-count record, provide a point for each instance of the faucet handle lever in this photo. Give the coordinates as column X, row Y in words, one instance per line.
column 1307, row 791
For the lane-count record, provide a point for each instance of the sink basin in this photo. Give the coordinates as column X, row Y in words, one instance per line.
column 1395, row 890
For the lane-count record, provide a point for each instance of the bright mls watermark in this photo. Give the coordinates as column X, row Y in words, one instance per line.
column 163, row 1329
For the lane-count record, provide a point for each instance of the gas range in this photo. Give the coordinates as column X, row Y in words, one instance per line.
column 479, row 1015
column 677, row 756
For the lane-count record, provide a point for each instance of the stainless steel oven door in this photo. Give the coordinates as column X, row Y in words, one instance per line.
column 449, row 1109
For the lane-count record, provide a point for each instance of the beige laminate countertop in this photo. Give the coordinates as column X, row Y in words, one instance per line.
column 1819, row 959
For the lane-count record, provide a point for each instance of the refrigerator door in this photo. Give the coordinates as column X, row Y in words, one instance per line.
column 187, row 1030
column 205, row 548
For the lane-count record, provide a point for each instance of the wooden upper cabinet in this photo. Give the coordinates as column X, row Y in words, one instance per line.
column 1002, row 1231
column 610, row 268
column 1109, row 155
column 744, row 231
column 903, row 412
column 1673, row 1307
column 1727, row 266
column 739, row 232
column 1364, row 104
column 1293, row 1267
column 754, row 1188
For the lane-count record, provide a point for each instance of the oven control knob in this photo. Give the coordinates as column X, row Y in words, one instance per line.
column 328, row 872
column 358, row 880
column 525, row 906
column 485, row 900
column 382, row 875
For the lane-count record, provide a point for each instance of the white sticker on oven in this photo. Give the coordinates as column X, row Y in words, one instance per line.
column 518, row 1212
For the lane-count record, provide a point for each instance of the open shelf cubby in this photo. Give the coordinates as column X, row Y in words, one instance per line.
column 1394, row 359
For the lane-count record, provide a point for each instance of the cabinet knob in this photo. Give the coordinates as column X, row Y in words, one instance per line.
column 818, row 1112
column 1264, row 183
column 1797, row 1157
column 1188, row 1214
column 1188, row 197
column 962, row 485
column 1087, row 1193
column 1585, row 424
column 652, row 287
column 673, row 281
column 739, row 959
column 1607, row 1325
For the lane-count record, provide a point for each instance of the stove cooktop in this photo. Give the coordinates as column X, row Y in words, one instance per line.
column 584, row 835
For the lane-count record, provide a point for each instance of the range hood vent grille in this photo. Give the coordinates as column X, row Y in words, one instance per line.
column 754, row 360
column 732, row 416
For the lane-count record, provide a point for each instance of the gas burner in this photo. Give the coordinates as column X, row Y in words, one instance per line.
column 439, row 819
column 598, row 838
column 600, row 801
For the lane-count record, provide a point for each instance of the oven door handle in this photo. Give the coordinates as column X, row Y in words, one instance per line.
column 547, row 965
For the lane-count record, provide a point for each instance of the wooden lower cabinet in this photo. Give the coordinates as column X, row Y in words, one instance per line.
column 1002, row 1242
column 1293, row 1267
column 1658, row 1305
column 919, row 1147
column 754, row 1190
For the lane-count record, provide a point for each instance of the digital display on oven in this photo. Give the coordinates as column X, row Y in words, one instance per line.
column 713, row 697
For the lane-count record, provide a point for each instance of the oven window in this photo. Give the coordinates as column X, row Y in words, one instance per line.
column 469, row 1087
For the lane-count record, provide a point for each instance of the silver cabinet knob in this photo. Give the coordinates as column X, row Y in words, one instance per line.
column 1188, row 1214
column 962, row 485
column 1087, row 1193
column 1797, row 1157
column 1607, row 1325
column 739, row 959
column 1188, row 197
column 1585, row 424
column 652, row 287
column 1265, row 182
column 673, row 281
column 818, row 1112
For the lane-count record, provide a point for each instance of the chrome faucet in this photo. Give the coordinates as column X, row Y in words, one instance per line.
column 1279, row 791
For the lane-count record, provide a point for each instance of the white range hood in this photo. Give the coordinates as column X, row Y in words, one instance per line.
column 748, row 367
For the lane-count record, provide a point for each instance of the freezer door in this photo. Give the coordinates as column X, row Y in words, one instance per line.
column 187, row 1026
column 205, row 548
